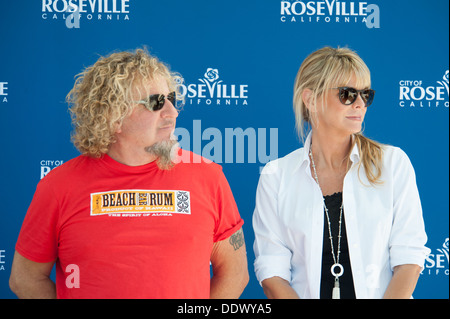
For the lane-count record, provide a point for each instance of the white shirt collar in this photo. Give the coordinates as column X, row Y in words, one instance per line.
column 304, row 156
column 354, row 155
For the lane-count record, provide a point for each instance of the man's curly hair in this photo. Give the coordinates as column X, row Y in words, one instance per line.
column 102, row 96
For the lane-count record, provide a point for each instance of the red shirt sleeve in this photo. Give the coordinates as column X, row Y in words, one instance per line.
column 38, row 237
column 229, row 220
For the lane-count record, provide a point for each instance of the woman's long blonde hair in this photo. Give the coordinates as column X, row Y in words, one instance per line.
column 102, row 96
column 327, row 68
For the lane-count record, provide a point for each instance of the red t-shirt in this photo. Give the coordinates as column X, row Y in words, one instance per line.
column 129, row 232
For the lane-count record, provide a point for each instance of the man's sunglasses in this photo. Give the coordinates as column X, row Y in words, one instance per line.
column 155, row 102
column 348, row 95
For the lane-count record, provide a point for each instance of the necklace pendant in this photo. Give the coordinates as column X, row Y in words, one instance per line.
column 336, row 294
column 333, row 270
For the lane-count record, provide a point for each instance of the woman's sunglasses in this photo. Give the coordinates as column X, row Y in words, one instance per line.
column 155, row 102
column 348, row 95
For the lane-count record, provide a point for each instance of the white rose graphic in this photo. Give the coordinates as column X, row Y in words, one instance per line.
column 445, row 245
column 211, row 74
column 445, row 82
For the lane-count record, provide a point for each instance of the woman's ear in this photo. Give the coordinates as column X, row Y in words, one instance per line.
column 307, row 96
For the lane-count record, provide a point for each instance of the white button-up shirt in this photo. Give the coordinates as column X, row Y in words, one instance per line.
column 384, row 223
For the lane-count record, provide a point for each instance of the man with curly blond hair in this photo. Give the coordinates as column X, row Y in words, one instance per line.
column 133, row 216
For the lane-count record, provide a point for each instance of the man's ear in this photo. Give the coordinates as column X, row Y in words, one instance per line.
column 117, row 128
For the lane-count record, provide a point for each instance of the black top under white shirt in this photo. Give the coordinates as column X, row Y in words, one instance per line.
column 347, row 291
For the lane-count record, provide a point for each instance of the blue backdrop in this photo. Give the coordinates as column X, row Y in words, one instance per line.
column 239, row 60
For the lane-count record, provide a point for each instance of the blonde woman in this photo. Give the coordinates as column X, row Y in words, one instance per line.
column 340, row 217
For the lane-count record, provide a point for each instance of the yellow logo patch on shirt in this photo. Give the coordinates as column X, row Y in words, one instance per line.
column 137, row 202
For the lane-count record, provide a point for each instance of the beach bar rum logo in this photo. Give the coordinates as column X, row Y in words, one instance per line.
column 137, row 203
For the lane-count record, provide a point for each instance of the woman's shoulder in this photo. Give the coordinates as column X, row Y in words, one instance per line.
column 287, row 163
column 394, row 153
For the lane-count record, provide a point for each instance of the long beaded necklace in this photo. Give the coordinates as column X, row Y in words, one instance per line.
column 336, row 290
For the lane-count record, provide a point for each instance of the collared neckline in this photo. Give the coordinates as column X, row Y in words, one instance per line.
column 354, row 154
column 304, row 156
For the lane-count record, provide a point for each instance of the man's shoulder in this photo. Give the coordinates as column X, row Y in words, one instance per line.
column 65, row 170
column 189, row 160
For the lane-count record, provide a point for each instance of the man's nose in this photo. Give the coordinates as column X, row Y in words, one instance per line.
column 169, row 110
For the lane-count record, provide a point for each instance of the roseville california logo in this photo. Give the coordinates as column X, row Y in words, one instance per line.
column 330, row 11
column 73, row 11
column 48, row 165
column 3, row 92
column 212, row 91
column 416, row 94
column 437, row 263
column 2, row 259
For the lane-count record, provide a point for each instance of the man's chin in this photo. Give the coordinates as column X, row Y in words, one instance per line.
column 165, row 152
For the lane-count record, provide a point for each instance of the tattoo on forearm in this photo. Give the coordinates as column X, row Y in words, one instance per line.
column 237, row 239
